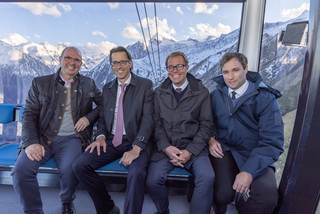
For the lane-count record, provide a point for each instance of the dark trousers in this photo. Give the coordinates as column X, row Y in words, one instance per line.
column 84, row 169
column 263, row 190
column 64, row 149
column 202, row 196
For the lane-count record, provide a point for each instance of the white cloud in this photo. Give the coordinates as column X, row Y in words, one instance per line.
column 295, row 12
column 164, row 30
column 37, row 36
column 203, row 8
column 204, row 30
column 99, row 33
column 113, row 5
column 102, row 47
column 41, row 8
column 178, row 9
column 65, row 7
column 130, row 32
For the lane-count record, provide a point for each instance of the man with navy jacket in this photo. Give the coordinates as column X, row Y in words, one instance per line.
column 247, row 138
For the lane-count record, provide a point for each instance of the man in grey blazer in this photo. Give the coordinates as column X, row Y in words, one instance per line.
column 124, row 128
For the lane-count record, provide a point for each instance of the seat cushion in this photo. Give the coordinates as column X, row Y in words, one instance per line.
column 114, row 166
column 180, row 171
column 8, row 154
column 7, row 113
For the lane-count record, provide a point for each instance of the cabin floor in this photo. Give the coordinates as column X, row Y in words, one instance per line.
column 9, row 202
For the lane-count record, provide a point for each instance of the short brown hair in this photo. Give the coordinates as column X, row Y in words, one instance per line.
column 120, row 49
column 177, row 53
column 230, row 55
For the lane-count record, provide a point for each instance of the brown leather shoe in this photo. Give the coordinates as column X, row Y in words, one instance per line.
column 68, row 208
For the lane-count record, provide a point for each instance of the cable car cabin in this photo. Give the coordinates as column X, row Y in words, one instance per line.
column 284, row 53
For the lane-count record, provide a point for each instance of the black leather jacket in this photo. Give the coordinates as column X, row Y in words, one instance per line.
column 46, row 104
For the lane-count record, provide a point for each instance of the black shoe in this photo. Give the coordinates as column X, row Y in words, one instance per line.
column 68, row 208
column 220, row 209
column 115, row 210
column 166, row 212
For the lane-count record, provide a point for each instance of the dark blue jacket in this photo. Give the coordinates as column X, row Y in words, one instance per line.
column 252, row 129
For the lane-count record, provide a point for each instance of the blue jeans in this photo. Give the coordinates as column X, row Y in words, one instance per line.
column 64, row 149
column 202, row 197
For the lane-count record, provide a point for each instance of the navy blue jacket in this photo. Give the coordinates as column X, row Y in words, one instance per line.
column 252, row 129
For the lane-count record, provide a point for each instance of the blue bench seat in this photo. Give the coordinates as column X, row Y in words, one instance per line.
column 8, row 156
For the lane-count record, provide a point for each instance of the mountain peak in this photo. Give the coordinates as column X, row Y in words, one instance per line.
column 14, row 39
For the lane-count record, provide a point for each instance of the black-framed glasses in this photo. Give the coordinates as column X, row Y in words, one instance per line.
column 121, row 63
column 179, row 67
column 68, row 59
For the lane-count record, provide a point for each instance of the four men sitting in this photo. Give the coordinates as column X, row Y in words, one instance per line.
column 238, row 127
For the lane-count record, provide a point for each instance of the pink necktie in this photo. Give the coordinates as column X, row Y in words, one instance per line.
column 178, row 90
column 117, row 139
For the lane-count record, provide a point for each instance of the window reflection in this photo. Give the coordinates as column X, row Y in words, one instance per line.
column 281, row 66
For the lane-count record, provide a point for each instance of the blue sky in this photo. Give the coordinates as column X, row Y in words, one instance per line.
column 110, row 24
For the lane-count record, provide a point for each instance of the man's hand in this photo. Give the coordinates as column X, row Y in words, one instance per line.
column 174, row 154
column 35, row 152
column 82, row 123
column 100, row 142
column 215, row 148
column 185, row 155
column 130, row 156
column 242, row 182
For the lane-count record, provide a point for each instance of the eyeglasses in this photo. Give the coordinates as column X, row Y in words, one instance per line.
column 121, row 62
column 179, row 67
column 68, row 59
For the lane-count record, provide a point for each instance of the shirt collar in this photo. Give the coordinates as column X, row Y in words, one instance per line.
column 65, row 82
column 184, row 85
column 126, row 82
column 240, row 91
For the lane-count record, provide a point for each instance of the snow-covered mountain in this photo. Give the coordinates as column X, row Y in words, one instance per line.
column 49, row 54
column 277, row 61
column 280, row 66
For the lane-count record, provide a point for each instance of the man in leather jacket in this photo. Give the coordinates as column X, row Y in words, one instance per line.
column 57, row 122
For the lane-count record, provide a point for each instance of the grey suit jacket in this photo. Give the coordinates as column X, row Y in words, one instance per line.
column 137, row 110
